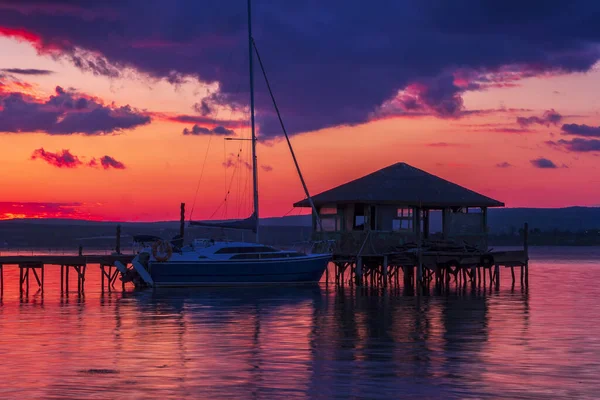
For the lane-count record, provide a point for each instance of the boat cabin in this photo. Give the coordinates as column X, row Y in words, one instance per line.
column 392, row 208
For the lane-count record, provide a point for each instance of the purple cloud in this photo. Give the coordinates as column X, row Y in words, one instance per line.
column 577, row 145
column 65, row 113
column 234, row 160
column 27, row 71
column 108, row 162
column 60, row 159
column 65, row 159
column 543, row 163
column 550, row 117
column 266, row 168
column 327, row 73
column 581, row 130
column 200, row 130
column 504, row 164
column 446, row 144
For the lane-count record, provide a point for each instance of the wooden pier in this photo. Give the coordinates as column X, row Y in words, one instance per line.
column 69, row 265
column 438, row 268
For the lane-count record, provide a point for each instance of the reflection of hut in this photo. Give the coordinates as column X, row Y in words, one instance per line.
column 392, row 207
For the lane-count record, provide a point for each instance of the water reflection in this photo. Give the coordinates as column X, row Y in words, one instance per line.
column 307, row 342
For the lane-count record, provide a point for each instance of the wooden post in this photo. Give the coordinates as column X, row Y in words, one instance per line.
column 118, row 245
column 326, row 273
column 67, row 278
column 497, row 275
column 80, row 250
column 419, row 243
column 473, row 276
column 526, row 240
column 102, row 277
column 1, row 280
column 512, row 273
column 359, row 272
column 182, row 221
column 526, row 249
column 384, row 271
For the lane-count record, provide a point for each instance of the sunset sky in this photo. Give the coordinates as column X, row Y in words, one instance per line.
column 118, row 110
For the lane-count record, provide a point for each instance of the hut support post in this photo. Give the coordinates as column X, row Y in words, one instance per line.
column 384, row 271
column 358, row 271
column 419, row 246
column 497, row 275
column 1, row 280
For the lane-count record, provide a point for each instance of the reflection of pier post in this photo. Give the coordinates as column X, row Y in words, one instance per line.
column 359, row 271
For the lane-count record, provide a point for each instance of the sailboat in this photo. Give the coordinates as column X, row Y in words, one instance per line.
column 210, row 262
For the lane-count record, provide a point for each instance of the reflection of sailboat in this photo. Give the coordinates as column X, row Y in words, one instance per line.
column 207, row 262
column 268, row 298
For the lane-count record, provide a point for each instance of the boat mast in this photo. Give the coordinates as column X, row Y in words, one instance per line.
column 254, row 166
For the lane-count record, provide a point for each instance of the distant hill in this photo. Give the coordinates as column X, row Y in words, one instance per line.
column 66, row 233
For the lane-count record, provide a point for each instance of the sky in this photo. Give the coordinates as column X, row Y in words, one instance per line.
column 119, row 110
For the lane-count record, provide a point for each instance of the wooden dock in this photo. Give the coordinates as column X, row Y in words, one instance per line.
column 35, row 266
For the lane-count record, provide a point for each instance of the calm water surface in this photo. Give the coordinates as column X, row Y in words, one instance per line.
column 309, row 342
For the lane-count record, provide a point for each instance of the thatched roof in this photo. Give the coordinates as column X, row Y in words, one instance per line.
column 403, row 185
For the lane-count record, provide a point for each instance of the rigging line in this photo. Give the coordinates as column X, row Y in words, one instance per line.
column 286, row 135
column 216, row 117
column 201, row 174
column 235, row 169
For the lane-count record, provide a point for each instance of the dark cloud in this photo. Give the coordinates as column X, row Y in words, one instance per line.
column 60, row 159
column 504, row 164
column 581, row 130
column 65, row 159
column 504, row 129
column 266, row 168
column 326, row 68
column 446, row 144
column 543, row 163
column 200, row 130
column 235, row 160
column 203, row 108
column 108, row 162
column 549, row 117
column 202, row 120
column 577, row 145
column 65, row 113
column 27, row 71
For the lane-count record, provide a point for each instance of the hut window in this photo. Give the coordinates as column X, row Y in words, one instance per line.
column 329, row 218
column 404, row 220
column 328, row 210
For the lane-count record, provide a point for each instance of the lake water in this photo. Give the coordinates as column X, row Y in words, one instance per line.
column 309, row 342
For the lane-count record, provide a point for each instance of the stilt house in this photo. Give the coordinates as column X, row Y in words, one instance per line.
column 391, row 208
